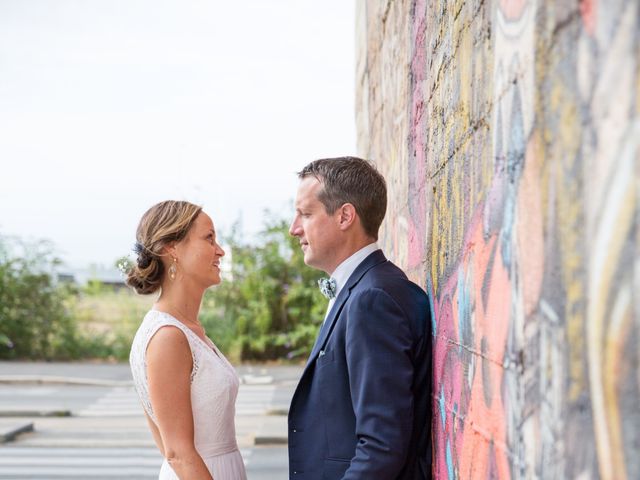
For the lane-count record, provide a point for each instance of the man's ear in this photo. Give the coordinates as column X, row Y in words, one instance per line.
column 347, row 216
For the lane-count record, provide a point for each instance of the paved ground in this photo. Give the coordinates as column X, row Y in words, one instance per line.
column 83, row 420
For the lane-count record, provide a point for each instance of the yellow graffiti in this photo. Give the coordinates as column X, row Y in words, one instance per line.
column 570, row 310
column 608, row 245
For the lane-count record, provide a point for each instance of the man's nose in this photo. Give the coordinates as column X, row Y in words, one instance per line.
column 293, row 228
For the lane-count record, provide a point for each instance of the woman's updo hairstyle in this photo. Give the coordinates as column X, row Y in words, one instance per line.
column 162, row 224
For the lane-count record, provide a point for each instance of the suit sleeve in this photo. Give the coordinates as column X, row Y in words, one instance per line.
column 379, row 361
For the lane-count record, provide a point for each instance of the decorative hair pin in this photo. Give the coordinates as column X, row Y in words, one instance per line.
column 138, row 248
column 144, row 255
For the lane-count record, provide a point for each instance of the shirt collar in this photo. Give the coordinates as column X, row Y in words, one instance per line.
column 343, row 271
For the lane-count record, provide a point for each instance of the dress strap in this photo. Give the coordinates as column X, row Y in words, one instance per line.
column 154, row 321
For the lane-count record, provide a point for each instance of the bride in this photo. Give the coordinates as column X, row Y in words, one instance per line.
column 187, row 387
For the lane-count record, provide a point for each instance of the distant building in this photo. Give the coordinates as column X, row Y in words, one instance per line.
column 110, row 276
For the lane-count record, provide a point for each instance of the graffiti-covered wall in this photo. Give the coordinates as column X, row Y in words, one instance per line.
column 509, row 134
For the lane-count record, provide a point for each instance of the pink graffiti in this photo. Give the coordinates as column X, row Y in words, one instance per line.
column 588, row 9
column 472, row 309
column 512, row 9
column 417, row 141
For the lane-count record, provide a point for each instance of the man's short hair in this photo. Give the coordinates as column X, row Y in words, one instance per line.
column 351, row 180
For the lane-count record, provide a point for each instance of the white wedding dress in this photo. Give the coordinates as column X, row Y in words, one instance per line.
column 214, row 387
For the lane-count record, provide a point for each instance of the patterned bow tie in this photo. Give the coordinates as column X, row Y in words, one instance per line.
column 328, row 287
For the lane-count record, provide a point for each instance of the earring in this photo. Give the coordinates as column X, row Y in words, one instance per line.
column 173, row 270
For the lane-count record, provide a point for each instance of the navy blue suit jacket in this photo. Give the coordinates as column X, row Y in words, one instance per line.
column 362, row 408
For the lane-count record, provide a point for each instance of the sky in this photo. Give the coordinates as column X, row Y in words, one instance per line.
column 110, row 106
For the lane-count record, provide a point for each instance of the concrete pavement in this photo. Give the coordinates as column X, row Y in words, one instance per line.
column 264, row 425
column 11, row 428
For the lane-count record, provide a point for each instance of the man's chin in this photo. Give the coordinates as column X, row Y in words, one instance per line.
column 308, row 260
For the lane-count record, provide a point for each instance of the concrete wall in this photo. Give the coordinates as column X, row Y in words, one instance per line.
column 509, row 134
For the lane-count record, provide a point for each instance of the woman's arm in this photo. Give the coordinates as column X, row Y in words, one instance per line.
column 156, row 433
column 169, row 365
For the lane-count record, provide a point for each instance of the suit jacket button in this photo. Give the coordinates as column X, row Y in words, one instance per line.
column 295, row 431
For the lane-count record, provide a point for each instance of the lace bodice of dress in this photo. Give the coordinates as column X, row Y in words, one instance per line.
column 214, row 385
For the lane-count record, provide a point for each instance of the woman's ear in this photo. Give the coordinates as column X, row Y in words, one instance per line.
column 347, row 216
column 170, row 250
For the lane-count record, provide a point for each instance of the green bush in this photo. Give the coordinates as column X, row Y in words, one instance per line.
column 268, row 307
column 34, row 319
column 43, row 319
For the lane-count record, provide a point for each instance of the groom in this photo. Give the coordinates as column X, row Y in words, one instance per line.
column 362, row 408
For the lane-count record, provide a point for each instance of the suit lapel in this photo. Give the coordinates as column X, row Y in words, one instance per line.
column 327, row 326
column 371, row 261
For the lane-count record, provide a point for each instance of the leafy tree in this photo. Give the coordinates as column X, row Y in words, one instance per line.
column 34, row 320
column 268, row 306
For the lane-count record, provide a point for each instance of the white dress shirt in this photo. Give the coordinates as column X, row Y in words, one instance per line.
column 343, row 271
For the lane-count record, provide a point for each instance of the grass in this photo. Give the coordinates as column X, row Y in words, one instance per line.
column 107, row 319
